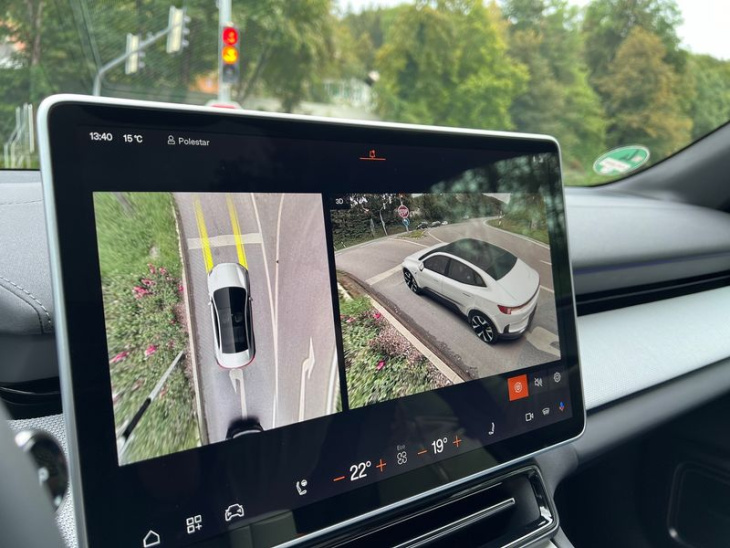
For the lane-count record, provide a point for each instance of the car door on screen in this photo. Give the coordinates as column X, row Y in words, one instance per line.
column 460, row 284
column 433, row 273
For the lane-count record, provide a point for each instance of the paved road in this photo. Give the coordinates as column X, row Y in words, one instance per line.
column 282, row 243
column 377, row 264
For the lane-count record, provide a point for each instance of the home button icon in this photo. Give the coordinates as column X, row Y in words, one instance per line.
column 151, row 539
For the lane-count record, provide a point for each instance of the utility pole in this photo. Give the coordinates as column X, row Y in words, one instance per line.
column 224, row 20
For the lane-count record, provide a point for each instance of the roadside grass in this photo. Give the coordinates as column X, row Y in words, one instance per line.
column 521, row 226
column 350, row 240
column 145, row 323
column 415, row 234
column 136, row 229
column 380, row 363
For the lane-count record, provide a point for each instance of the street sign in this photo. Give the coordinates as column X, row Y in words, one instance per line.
column 406, row 222
column 621, row 160
column 403, row 211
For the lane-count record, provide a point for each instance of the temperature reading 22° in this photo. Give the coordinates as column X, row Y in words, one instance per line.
column 438, row 445
column 359, row 471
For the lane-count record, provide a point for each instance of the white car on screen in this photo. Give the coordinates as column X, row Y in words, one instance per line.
column 229, row 292
column 495, row 290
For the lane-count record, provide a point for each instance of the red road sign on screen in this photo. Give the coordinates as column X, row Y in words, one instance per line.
column 403, row 211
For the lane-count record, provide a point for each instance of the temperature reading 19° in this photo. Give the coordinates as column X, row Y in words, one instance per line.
column 438, row 445
column 132, row 138
column 359, row 471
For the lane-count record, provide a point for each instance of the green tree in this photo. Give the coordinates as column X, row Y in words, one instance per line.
column 445, row 62
column 608, row 23
column 558, row 100
column 641, row 100
column 711, row 105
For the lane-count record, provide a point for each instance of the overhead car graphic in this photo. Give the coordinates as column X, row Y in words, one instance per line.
column 230, row 310
column 495, row 290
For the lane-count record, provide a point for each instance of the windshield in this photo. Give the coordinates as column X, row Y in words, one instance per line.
column 231, row 306
column 621, row 84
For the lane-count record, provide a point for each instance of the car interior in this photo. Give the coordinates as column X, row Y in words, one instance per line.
column 645, row 285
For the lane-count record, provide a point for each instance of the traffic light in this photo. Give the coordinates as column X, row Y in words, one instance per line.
column 177, row 25
column 229, row 55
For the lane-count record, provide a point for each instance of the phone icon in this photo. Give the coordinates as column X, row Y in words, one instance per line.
column 301, row 487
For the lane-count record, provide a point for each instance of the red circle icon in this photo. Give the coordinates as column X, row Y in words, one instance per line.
column 403, row 211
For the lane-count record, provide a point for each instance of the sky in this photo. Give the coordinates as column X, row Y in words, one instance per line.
column 704, row 30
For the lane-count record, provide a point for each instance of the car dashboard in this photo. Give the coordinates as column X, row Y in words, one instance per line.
column 651, row 282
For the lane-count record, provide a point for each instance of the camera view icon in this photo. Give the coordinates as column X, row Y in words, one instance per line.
column 234, row 511
column 518, row 387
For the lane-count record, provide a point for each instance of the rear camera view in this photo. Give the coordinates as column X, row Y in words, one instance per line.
column 437, row 289
column 219, row 316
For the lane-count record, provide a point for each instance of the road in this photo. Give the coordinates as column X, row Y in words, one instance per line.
column 280, row 239
column 377, row 265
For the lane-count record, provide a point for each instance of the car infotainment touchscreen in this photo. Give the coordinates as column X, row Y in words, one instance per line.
column 274, row 326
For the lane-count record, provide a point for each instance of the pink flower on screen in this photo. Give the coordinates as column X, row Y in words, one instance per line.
column 119, row 357
column 377, row 315
column 380, row 365
column 151, row 349
column 152, row 268
column 140, row 292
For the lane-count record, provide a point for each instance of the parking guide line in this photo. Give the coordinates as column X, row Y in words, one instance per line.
column 235, row 226
column 203, row 232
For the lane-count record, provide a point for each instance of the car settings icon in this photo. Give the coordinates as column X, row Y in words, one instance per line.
column 234, row 511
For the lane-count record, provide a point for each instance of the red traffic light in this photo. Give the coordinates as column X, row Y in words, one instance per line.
column 230, row 36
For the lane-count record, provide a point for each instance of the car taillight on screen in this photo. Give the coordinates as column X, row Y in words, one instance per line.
column 505, row 309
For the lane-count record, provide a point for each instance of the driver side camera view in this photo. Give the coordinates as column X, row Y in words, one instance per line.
column 219, row 319
column 437, row 289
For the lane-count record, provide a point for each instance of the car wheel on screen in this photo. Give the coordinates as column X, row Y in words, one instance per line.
column 411, row 282
column 483, row 327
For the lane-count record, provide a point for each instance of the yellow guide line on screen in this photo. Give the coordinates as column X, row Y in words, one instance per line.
column 207, row 255
column 236, row 231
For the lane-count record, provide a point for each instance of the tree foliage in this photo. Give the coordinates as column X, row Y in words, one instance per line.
column 641, row 101
column 558, row 99
column 608, row 23
column 608, row 74
column 445, row 63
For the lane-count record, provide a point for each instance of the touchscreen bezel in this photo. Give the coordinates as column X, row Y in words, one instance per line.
column 69, row 207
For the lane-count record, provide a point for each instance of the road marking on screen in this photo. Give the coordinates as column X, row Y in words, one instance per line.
column 307, row 368
column 542, row 339
column 203, row 232
column 236, row 227
column 225, row 240
column 274, row 320
column 383, row 275
column 237, row 375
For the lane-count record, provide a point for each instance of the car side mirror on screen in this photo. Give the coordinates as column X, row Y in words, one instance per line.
column 420, row 266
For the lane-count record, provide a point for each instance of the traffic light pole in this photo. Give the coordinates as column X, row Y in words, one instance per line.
column 144, row 44
column 224, row 18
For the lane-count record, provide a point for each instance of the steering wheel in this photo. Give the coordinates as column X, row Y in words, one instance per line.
column 26, row 513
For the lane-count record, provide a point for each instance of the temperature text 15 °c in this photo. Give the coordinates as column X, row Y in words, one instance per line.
column 132, row 138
